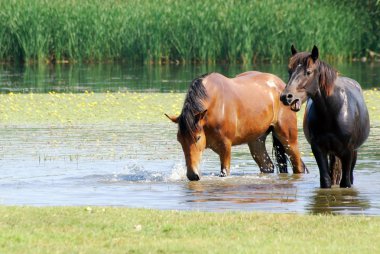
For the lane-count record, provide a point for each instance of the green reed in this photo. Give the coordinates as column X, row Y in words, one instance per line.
column 182, row 31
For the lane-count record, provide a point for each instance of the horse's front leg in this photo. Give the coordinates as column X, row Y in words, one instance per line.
column 321, row 158
column 225, row 158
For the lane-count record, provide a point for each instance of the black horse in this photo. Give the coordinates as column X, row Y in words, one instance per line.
column 336, row 120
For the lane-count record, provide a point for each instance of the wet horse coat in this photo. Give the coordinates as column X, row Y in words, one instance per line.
column 220, row 112
column 336, row 120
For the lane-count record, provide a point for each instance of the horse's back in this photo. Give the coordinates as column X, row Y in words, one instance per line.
column 248, row 73
column 262, row 78
column 349, row 84
column 251, row 81
column 244, row 106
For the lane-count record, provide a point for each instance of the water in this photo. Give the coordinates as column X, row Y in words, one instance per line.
column 117, row 77
column 142, row 165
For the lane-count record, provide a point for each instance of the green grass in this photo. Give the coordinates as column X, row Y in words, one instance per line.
column 122, row 230
column 186, row 30
column 109, row 108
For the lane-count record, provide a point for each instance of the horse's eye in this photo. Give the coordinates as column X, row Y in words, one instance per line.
column 198, row 138
column 308, row 72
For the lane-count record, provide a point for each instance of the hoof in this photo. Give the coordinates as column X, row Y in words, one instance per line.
column 345, row 185
column 326, row 185
column 223, row 173
column 325, row 182
column 193, row 177
column 267, row 170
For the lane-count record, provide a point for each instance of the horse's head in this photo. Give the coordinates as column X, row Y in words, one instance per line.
column 303, row 81
column 192, row 138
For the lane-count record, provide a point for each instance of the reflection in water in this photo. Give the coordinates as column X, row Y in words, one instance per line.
column 243, row 190
column 338, row 201
column 121, row 77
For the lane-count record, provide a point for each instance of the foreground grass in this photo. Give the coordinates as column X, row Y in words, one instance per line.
column 108, row 108
column 122, row 230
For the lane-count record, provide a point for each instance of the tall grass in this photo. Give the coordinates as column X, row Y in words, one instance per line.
column 185, row 30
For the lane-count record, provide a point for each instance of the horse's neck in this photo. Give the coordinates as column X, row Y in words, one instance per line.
column 324, row 105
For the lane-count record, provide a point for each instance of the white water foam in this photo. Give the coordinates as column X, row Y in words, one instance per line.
column 151, row 172
column 178, row 172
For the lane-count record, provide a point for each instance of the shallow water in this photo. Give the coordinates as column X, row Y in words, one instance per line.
column 146, row 78
column 142, row 165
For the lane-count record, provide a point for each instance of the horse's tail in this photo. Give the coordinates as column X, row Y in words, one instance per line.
column 279, row 152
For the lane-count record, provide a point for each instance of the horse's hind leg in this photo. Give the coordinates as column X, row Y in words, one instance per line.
column 260, row 155
column 335, row 168
column 355, row 156
column 288, row 138
column 279, row 152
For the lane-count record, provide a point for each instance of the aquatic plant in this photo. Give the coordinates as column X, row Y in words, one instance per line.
column 93, row 108
column 182, row 31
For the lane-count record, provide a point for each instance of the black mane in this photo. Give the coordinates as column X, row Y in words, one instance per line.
column 327, row 76
column 192, row 106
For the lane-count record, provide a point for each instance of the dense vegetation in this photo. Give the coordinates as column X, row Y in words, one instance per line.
column 186, row 30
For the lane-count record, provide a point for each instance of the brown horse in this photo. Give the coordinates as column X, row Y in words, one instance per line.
column 220, row 112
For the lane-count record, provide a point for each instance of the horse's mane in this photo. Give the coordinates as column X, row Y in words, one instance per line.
column 327, row 74
column 192, row 106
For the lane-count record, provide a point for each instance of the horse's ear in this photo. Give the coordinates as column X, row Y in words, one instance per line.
column 199, row 116
column 293, row 49
column 174, row 119
column 314, row 53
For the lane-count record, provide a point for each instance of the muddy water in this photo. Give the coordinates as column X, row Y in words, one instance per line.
column 141, row 165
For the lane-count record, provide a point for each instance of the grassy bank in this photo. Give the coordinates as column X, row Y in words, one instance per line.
column 169, row 30
column 110, row 108
column 122, row 230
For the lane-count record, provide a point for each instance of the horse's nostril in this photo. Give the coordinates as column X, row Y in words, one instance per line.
column 283, row 99
column 289, row 96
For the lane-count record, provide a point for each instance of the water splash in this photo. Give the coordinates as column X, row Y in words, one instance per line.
column 178, row 172
column 138, row 172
